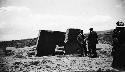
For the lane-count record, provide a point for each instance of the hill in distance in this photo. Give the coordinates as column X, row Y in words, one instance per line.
column 104, row 37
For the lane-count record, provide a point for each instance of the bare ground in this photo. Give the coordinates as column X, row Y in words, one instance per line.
column 69, row 63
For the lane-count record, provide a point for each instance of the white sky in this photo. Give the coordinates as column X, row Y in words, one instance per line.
column 21, row 19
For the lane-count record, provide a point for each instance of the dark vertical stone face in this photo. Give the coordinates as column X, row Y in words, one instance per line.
column 47, row 42
column 59, row 37
column 72, row 46
column 41, row 47
column 72, row 35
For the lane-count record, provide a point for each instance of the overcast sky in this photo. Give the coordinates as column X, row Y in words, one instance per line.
column 21, row 19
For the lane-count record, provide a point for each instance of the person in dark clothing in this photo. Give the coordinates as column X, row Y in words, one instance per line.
column 92, row 41
column 115, row 49
column 82, row 43
column 118, row 50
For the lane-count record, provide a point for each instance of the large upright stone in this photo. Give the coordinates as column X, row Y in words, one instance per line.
column 72, row 46
column 59, row 37
column 47, row 42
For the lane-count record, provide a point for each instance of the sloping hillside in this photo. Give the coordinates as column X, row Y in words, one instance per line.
column 105, row 37
column 18, row 43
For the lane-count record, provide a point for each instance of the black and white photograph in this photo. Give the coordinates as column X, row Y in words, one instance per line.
column 62, row 35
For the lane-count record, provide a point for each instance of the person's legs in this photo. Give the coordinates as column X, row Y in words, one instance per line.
column 115, row 55
column 81, row 49
column 94, row 50
column 122, row 56
column 90, row 49
column 81, row 52
column 85, row 50
column 118, row 58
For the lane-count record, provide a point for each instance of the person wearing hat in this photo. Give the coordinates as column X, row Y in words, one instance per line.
column 92, row 41
column 118, row 50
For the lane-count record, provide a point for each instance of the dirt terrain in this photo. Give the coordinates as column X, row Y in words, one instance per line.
column 21, row 61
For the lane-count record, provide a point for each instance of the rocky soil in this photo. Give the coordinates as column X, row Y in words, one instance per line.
column 24, row 60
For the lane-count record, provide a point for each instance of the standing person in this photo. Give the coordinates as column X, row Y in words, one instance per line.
column 82, row 43
column 92, row 41
column 118, row 50
column 115, row 49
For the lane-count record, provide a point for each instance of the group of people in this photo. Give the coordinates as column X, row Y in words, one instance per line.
column 118, row 50
column 88, row 44
column 77, row 43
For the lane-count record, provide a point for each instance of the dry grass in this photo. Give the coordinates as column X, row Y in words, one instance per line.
column 21, row 61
